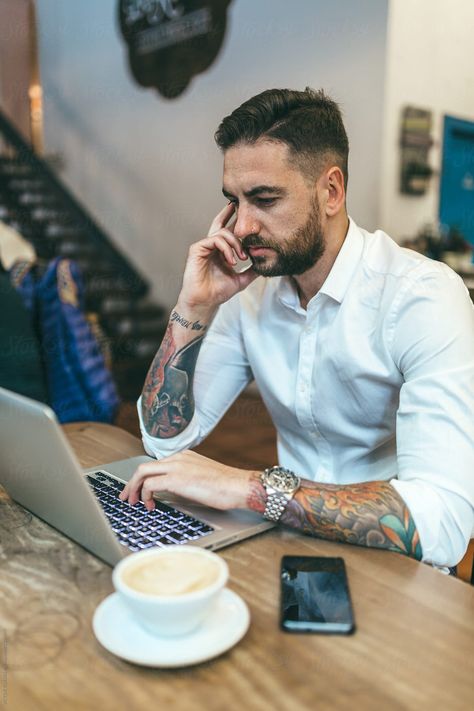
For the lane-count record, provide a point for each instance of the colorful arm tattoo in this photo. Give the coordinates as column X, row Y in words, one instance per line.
column 167, row 397
column 367, row 514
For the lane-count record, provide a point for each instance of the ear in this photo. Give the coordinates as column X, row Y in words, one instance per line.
column 334, row 192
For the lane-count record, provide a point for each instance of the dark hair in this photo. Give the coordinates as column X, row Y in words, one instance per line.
column 308, row 121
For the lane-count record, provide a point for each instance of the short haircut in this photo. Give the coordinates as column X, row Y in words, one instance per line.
column 309, row 122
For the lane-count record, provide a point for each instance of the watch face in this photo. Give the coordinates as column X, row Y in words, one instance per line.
column 282, row 480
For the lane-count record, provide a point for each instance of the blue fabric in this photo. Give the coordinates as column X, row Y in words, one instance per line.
column 80, row 385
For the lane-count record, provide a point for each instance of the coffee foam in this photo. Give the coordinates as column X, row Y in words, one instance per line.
column 171, row 574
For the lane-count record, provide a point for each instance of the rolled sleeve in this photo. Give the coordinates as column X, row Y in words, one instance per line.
column 443, row 520
column 159, row 447
column 433, row 346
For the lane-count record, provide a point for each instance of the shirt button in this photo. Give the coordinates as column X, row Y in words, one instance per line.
column 302, row 387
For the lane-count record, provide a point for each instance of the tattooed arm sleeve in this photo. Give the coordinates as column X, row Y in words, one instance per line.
column 367, row 514
column 167, row 399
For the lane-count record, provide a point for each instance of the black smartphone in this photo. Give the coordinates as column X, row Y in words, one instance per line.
column 315, row 595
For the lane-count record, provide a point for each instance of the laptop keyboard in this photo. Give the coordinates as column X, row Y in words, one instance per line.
column 135, row 526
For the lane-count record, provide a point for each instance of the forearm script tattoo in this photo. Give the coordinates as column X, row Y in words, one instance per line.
column 367, row 514
column 167, row 397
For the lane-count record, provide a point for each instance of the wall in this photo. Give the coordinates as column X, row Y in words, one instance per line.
column 429, row 65
column 15, row 51
column 148, row 168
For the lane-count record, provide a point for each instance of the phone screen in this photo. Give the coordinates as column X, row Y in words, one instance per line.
column 315, row 595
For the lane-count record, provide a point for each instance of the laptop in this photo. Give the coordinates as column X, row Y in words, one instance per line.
column 39, row 470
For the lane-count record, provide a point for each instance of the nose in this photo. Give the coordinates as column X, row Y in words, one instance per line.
column 245, row 223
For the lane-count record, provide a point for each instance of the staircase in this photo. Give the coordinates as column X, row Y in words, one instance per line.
column 35, row 202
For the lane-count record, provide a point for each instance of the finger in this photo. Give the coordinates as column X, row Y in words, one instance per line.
column 222, row 218
column 229, row 237
column 227, row 250
column 144, row 470
column 154, row 485
column 124, row 493
column 151, row 477
column 146, row 493
column 218, row 242
column 235, row 242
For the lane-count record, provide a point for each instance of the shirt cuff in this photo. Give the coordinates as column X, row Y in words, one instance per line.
column 159, row 448
column 443, row 519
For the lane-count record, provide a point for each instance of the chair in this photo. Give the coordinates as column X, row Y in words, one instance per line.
column 465, row 569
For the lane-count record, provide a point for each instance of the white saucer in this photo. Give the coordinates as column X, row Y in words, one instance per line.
column 117, row 631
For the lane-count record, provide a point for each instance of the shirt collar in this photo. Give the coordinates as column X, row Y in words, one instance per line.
column 338, row 279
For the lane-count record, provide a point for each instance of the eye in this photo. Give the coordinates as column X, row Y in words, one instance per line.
column 266, row 202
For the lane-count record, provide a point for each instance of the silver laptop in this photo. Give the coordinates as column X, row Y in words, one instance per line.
column 39, row 470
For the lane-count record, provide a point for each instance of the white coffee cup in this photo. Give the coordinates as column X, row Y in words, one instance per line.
column 170, row 590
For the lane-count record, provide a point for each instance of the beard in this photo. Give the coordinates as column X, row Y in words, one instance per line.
column 294, row 255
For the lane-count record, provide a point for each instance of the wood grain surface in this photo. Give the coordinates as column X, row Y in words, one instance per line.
column 413, row 647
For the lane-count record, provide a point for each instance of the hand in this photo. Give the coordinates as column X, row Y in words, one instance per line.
column 192, row 476
column 209, row 279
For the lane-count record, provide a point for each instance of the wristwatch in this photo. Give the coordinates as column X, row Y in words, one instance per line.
column 281, row 485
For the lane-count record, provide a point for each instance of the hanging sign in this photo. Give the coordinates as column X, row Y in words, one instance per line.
column 170, row 41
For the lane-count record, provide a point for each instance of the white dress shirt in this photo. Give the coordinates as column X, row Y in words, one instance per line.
column 373, row 381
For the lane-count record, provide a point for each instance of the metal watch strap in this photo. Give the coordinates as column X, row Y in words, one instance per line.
column 276, row 504
column 279, row 493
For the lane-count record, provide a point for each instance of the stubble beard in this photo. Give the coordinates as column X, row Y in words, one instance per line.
column 296, row 254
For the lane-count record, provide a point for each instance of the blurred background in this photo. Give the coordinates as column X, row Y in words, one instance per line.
column 107, row 157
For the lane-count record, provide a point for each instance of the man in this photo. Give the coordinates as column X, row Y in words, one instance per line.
column 363, row 352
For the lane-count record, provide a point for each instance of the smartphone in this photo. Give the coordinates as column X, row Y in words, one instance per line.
column 315, row 595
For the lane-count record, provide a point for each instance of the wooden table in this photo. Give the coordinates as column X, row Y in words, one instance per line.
column 413, row 648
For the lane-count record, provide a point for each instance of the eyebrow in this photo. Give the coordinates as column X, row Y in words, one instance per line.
column 258, row 190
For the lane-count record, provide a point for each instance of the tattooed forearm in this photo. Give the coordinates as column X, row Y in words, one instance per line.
column 167, row 397
column 194, row 325
column 367, row 514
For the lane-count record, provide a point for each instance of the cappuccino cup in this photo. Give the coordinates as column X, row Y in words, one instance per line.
column 170, row 590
